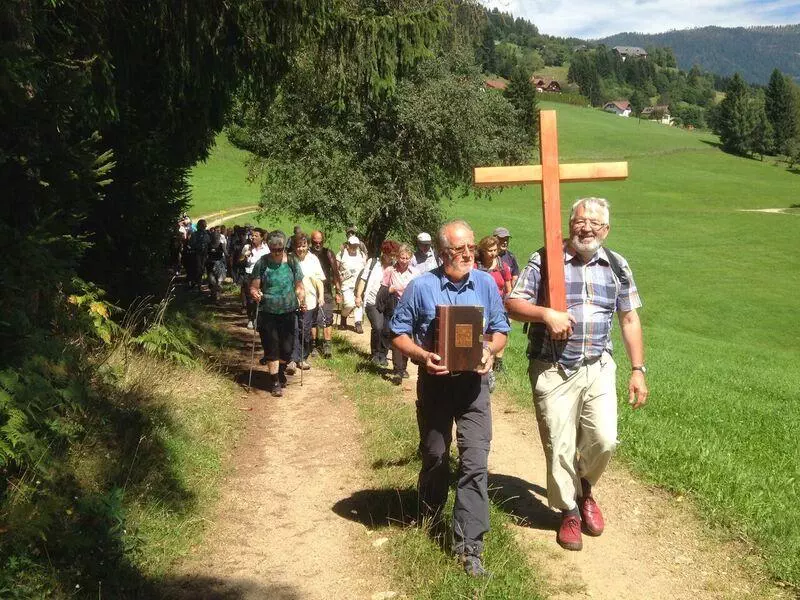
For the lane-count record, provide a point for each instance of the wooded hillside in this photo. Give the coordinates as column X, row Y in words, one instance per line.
column 753, row 51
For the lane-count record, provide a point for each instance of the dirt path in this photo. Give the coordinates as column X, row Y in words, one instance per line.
column 652, row 548
column 274, row 535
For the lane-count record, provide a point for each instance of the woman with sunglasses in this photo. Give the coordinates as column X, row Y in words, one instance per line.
column 277, row 285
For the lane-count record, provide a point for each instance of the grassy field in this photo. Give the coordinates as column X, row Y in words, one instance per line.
column 722, row 338
column 221, row 181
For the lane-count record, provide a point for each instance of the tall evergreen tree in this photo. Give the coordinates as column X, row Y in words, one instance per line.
column 522, row 95
column 735, row 121
column 781, row 110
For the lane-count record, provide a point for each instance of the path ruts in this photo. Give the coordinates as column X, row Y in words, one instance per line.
column 274, row 534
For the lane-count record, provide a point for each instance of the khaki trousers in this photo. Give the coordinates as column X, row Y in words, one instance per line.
column 577, row 417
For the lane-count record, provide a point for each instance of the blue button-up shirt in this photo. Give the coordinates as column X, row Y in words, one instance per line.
column 417, row 308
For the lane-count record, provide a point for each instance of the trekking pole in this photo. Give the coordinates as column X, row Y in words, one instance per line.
column 301, row 318
column 253, row 349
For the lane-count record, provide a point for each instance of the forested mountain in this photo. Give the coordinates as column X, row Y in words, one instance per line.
column 753, row 51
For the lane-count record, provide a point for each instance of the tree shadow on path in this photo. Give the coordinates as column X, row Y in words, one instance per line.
column 524, row 501
column 376, row 508
column 214, row 588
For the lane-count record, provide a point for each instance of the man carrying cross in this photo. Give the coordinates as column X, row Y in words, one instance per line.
column 569, row 292
column 572, row 372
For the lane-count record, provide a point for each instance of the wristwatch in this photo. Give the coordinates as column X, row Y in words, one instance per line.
column 641, row 368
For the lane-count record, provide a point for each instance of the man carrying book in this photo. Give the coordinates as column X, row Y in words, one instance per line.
column 572, row 373
column 444, row 397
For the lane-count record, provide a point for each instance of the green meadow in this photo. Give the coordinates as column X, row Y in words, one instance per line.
column 720, row 289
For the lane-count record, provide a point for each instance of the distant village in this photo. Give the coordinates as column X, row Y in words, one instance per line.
column 621, row 107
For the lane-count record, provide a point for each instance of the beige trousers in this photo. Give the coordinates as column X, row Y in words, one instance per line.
column 577, row 418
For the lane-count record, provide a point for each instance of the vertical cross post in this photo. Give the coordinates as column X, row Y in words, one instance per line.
column 550, row 174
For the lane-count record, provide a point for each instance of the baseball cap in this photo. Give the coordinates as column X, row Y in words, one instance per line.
column 501, row 232
column 353, row 240
column 424, row 237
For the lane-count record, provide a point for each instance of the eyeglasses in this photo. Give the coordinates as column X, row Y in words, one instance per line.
column 276, row 250
column 462, row 250
column 593, row 224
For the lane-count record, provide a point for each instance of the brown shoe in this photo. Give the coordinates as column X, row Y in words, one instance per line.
column 591, row 515
column 569, row 534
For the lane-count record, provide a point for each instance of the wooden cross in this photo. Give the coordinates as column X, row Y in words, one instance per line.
column 550, row 174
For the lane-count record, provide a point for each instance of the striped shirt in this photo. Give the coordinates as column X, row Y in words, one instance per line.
column 593, row 295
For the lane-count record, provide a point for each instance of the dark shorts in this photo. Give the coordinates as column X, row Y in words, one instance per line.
column 277, row 335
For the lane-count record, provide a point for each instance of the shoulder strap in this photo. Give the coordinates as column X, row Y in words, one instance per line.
column 616, row 267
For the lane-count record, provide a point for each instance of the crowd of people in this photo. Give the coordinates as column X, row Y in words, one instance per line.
column 333, row 286
column 292, row 289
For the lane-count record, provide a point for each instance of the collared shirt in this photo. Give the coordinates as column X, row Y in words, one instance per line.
column 422, row 262
column 399, row 280
column 593, row 295
column 254, row 255
column 417, row 308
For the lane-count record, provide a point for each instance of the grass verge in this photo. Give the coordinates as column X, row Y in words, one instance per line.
column 421, row 568
column 141, row 467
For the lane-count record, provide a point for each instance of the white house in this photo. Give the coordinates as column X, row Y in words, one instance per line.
column 621, row 108
column 658, row 113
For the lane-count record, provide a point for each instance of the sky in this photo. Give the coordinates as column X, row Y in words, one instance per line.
column 593, row 19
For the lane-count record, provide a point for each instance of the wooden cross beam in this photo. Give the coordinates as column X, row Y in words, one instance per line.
column 550, row 174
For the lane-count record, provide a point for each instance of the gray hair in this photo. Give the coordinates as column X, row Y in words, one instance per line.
column 275, row 238
column 442, row 238
column 599, row 204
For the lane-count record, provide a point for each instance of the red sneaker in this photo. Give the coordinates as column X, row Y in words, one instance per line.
column 569, row 534
column 591, row 515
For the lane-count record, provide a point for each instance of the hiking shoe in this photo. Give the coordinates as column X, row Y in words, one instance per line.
column 276, row 390
column 314, row 352
column 250, row 325
column 303, row 365
column 326, row 349
column 262, row 361
column 358, row 328
column 473, row 566
column 405, row 374
column 282, row 379
column 591, row 515
column 291, row 368
column 384, row 361
column 569, row 533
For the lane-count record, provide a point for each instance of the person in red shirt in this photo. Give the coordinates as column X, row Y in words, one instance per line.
column 487, row 259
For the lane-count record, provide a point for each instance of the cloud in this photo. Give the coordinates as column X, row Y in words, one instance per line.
column 594, row 19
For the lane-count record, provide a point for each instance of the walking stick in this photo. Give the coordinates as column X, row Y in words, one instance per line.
column 301, row 318
column 253, row 349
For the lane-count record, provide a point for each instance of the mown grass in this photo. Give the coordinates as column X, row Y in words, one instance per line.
column 220, row 183
column 719, row 289
column 422, row 569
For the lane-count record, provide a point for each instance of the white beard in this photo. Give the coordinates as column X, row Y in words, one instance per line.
column 587, row 248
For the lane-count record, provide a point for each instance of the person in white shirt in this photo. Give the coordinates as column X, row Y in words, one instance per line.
column 369, row 282
column 424, row 259
column 351, row 262
column 251, row 253
column 313, row 276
